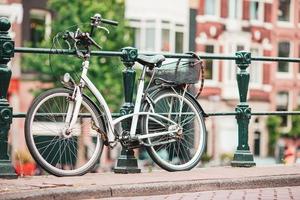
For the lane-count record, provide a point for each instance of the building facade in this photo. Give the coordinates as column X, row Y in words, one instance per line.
column 265, row 28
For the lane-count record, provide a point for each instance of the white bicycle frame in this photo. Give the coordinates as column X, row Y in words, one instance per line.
column 73, row 110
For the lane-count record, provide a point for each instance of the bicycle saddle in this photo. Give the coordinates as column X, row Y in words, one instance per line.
column 151, row 61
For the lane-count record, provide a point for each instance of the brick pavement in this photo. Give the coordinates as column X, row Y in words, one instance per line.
column 276, row 193
column 101, row 185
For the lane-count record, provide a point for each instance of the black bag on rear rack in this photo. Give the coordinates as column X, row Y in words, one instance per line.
column 181, row 71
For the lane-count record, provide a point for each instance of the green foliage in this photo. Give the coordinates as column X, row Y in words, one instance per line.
column 104, row 72
column 226, row 158
column 273, row 124
column 295, row 130
column 206, row 158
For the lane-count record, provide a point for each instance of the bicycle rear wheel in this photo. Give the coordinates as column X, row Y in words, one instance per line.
column 181, row 150
column 57, row 151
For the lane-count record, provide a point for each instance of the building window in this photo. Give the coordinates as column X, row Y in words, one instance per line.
column 282, row 101
column 210, row 7
column 178, row 42
column 159, row 35
column 40, row 26
column 257, row 138
column 233, row 69
column 284, row 10
column 255, row 70
column 165, row 40
column 235, row 7
column 283, row 51
column 165, row 37
column 209, row 63
column 150, row 36
column 137, row 37
column 256, row 8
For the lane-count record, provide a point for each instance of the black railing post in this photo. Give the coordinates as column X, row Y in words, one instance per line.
column 126, row 162
column 242, row 156
column 6, row 53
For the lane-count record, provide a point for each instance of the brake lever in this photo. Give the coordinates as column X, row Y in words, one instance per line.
column 104, row 28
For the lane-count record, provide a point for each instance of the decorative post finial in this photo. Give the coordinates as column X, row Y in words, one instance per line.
column 243, row 157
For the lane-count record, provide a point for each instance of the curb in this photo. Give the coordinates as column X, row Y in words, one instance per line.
column 155, row 188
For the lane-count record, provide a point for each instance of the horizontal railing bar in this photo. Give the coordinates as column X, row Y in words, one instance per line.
column 256, row 113
column 275, row 59
column 277, row 113
column 23, row 115
column 64, row 51
column 167, row 55
column 115, row 115
column 19, row 115
column 221, row 114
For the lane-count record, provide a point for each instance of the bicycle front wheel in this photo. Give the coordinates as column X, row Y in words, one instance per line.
column 60, row 152
column 182, row 149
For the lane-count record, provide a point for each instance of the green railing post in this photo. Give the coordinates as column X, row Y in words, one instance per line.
column 126, row 162
column 6, row 53
column 243, row 157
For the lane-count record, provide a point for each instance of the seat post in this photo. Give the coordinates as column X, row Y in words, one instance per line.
column 126, row 162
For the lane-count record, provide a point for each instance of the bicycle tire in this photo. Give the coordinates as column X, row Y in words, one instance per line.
column 62, row 165
column 165, row 157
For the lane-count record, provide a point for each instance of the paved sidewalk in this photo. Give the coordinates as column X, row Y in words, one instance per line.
column 155, row 183
column 276, row 193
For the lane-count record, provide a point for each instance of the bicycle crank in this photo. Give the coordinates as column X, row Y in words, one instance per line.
column 102, row 134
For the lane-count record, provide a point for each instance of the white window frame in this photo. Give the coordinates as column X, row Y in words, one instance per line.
column 158, row 25
column 259, row 66
column 168, row 26
column 149, row 23
column 239, row 9
column 290, row 23
column 289, row 74
column 214, row 18
column 48, row 20
column 179, row 28
column 261, row 12
column 215, row 63
column 217, row 8
column 289, row 107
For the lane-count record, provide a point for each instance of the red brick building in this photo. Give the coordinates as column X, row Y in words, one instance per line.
column 265, row 28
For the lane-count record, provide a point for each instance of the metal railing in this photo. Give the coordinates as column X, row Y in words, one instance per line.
column 242, row 157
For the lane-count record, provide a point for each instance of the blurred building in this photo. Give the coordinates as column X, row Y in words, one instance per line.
column 30, row 22
column 265, row 28
column 159, row 26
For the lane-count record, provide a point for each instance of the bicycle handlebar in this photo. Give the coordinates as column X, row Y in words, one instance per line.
column 85, row 38
column 111, row 22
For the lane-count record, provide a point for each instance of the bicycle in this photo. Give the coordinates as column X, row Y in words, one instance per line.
column 66, row 131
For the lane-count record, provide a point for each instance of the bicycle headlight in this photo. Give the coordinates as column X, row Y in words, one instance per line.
column 67, row 77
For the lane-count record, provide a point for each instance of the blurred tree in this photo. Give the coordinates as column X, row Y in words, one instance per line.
column 273, row 124
column 295, row 130
column 104, row 72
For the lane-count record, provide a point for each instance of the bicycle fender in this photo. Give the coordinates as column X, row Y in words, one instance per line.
column 198, row 104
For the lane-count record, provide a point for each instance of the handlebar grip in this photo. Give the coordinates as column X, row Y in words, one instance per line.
column 111, row 22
